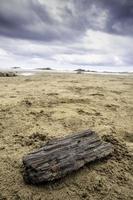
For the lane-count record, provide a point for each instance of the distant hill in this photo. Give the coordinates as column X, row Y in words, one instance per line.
column 16, row 67
column 44, row 68
column 83, row 70
column 79, row 70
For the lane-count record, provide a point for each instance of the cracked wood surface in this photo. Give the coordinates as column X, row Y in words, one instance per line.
column 59, row 157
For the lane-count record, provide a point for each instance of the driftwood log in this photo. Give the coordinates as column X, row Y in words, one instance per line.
column 61, row 156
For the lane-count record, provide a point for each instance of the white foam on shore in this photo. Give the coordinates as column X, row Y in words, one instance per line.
column 27, row 73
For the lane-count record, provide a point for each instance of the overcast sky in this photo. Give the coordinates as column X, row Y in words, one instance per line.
column 67, row 34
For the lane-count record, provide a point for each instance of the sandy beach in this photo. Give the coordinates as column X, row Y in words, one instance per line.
column 35, row 109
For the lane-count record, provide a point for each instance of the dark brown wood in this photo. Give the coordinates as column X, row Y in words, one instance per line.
column 64, row 155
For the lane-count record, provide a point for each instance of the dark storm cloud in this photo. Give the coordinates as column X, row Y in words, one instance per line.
column 119, row 18
column 33, row 20
column 22, row 20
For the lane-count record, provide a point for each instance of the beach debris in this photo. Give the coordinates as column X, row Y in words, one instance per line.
column 61, row 156
column 7, row 74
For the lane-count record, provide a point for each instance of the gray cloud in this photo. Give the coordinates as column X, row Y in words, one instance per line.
column 121, row 15
column 118, row 16
column 64, row 30
column 26, row 20
column 33, row 20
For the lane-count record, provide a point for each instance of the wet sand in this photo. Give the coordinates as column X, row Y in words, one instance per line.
column 34, row 109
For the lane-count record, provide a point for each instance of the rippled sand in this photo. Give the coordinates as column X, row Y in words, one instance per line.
column 37, row 108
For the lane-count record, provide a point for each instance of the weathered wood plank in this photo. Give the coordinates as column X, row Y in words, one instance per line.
column 61, row 156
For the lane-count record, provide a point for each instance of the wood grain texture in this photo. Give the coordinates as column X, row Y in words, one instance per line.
column 61, row 156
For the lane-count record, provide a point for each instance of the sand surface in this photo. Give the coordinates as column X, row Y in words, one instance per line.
column 37, row 108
